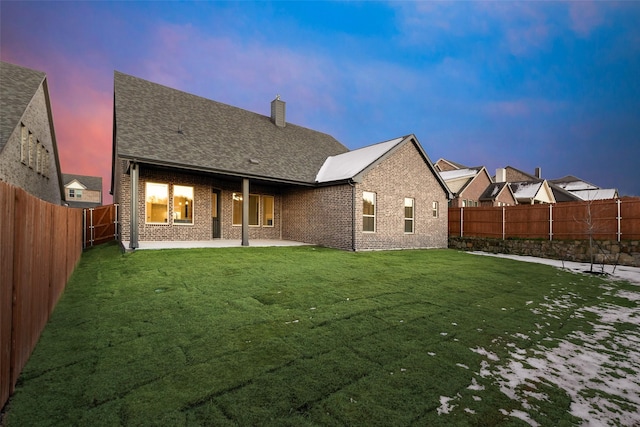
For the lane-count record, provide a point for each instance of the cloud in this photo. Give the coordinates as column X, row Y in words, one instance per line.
column 585, row 16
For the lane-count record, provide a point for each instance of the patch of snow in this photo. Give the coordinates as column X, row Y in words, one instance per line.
column 489, row 355
column 475, row 386
column 462, row 365
column 445, row 407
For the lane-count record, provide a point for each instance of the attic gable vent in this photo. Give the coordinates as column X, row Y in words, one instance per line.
column 278, row 112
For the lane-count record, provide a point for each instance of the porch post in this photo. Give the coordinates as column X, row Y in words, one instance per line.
column 245, row 211
column 133, row 232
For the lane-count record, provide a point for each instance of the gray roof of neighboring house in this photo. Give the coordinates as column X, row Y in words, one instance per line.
column 18, row 85
column 164, row 126
column 90, row 182
column 493, row 190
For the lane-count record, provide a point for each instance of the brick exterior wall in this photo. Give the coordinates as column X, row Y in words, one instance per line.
column 403, row 174
column 202, row 227
column 473, row 190
column 13, row 171
column 322, row 216
column 316, row 215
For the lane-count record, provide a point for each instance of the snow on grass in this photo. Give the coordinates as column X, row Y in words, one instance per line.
column 445, row 407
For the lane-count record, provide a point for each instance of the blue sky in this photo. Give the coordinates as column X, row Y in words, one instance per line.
column 525, row 84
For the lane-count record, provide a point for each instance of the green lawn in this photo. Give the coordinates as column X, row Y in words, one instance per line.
column 298, row 336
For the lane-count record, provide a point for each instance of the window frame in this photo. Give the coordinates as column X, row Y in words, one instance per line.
column 237, row 198
column 173, row 204
column 367, row 216
column 435, row 209
column 146, row 203
column 265, row 212
column 24, row 144
column 412, row 218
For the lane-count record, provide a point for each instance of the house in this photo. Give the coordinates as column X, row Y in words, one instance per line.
column 443, row 165
column 81, row 191
column 188, row 168
column 28, row 148
column 467, row 185
column 498, row 194
column 583, row 189
column 516, row 176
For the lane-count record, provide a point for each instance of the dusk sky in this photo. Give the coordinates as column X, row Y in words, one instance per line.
column 548, row 84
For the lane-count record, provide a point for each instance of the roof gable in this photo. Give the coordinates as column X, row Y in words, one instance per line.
column 18, row 87
column 86, row 182
column 348, row 165
column 160, row 125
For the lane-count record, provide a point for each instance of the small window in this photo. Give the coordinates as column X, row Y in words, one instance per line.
column 254, row 209
column 267, row 211
column 157, row 203
column 38, row 157
column 32, row 150
column 182, row 204
column 24, row 145
column 435, row 209
column 75, row 193
column 368, row 212
column 408, row 215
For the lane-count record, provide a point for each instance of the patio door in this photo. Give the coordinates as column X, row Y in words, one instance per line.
column 215, row 214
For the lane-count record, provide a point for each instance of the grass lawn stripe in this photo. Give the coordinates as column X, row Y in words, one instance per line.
column 314, row 336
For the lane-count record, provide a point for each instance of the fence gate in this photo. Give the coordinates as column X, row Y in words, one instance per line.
column 100, row 225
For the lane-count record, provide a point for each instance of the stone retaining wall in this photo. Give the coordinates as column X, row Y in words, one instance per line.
column 605, row 251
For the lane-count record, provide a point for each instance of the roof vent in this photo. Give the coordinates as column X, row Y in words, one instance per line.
column 278, row 112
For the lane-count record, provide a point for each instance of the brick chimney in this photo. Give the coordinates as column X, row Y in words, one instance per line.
column 278, row 112
column 501, row 175
column 538, row 173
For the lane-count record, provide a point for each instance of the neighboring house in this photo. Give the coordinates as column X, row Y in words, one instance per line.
column 583, row 189
column 513, row 175
column 498, row 194
column 467, row 185
column 81, row 191
column 443, row 165
column 188, row 168
column 28, row 149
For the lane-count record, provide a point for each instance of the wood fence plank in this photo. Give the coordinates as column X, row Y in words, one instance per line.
column 7, row 214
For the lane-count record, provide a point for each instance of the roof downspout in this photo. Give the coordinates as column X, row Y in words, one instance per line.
column 133, row 243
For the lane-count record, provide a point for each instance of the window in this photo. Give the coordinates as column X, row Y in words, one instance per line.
column 267, row 211
column 254, row 209
column 75, row 193
column 368, row 212
column 182, row 204
column 157, row 203
column 31, row 150
column 408, row 215
column 38, row 157
column 47, row 160
column 24, row 145
column 434, row 207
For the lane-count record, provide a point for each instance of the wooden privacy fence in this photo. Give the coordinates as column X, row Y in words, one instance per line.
column 617, row 219
column 40, row 245
column 100, row 225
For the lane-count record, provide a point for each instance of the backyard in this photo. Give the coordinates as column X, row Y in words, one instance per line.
column 314, row 336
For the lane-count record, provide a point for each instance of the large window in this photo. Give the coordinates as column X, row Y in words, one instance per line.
column 408, row 215
column 267, row 211
column 254, row 209
column 182, row 204
column 368, row 211
column 157, row 203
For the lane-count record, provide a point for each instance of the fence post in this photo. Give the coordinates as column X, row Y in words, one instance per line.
column 92, row 226
column 619, row 233
column 84, row 228
column 550, row 222
column 503, row 222
column 461, row 221
column 115, row 222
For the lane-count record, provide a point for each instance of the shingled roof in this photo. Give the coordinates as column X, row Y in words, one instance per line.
column 159, row 125
column 18, row 87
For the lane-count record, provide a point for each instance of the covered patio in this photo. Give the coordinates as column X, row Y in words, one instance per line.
column 215, row 243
